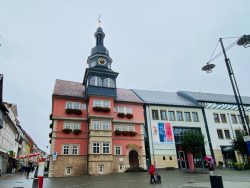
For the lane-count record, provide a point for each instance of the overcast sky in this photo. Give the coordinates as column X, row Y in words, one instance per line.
column 155, row 45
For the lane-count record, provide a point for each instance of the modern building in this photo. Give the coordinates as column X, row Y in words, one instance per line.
column 167, row 117
column 97, row 128
column 223, row 121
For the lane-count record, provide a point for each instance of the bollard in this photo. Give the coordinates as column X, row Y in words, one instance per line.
column 40, row 181
column 216, row 182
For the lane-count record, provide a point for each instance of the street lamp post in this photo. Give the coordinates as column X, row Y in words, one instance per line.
column 243, row 41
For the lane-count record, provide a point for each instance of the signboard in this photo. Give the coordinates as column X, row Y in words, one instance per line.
column 162, row 133
column 54, row 155
column 246, row 138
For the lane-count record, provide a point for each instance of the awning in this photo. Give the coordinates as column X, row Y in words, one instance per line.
column 228, row 148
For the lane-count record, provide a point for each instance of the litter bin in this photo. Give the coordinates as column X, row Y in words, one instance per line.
column 216, row 182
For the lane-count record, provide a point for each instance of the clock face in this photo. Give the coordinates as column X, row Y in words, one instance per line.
column 101, row 61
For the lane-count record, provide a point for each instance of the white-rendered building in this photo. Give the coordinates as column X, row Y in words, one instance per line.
column 167, row 117
column 223, row 121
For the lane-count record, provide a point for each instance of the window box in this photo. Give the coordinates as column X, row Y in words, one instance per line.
column 51, row 125
column 67, row 130
column 101, row 109
column 50, row 134
column 73, row 111
column 50, row 116
column 50, row 141
column 132, row 133
column 129, row 116
column 121, row 115
column 118, row 133
column 77, row 131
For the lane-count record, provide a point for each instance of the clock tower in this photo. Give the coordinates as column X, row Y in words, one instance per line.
column 99, row 78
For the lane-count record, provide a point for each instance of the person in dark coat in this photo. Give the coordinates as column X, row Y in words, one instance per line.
column 28, row 169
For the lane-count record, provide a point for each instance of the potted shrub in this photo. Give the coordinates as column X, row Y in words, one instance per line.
column 220, row 164
column 50, row 116
column 50, row 141
column 73, row 111
column 117, row 132
column 77, row 131
column 129, row 116
column 132, row 133
column 101, row 109
column 121, row 115
column 51, row 125
column 125, row 133
column 50, row 134
column 67, row 130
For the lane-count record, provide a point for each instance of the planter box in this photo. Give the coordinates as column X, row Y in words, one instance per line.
column 121, row 115
column 129, row 116
column 73, row 111
column 77, row 131
column 51, row 125
column 50, row 134
column 101, row 109
column 118, row 133
column 50, row 116
column 67, row 130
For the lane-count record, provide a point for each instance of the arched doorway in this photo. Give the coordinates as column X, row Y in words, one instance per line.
column 133, row 159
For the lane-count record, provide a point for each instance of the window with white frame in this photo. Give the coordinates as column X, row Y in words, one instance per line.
column 122, row 109
column 106, row 125
column 101, row 125
column 187, row 116
column 171, row 115
column 121, row 127
column 73, row 105
column 96, row 125
column 70, row 149
column 105, row 148
column 95, row 81
column 108, row 82
column 155, row 115
column 220, row 134
column 234, row 119
column 96, row 147
column 227, row 134
column 223, row 118
column 163, row 114
column 179, row 116
column 195, row 117
column 101, row 103
column 216, row 118
column 68, row 171
column 66, row 149
column 75, row 149
column 118, row 150
column 72, row 125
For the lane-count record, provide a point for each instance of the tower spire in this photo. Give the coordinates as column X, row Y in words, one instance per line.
column 99, row 20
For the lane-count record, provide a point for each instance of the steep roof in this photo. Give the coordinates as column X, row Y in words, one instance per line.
column 127, row 95
column 76, row 89
column 211, row 97
column 69, row 88
column 163, row 98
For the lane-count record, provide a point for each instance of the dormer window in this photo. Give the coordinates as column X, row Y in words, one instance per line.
column 96, row 81
column 108, row 82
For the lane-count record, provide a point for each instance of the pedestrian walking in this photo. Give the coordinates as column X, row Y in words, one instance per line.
column 152, row 174
column 28, row 169
column 210, row 166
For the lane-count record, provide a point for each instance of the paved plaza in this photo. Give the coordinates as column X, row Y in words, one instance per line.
column 170, row 179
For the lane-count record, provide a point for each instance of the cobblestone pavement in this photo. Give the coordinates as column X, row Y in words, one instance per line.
column 170, row 179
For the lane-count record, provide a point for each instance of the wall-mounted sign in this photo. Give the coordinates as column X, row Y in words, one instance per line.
column 162, row 133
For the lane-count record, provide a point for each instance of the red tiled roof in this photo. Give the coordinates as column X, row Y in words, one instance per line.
column 76, row 89
column 69, row 88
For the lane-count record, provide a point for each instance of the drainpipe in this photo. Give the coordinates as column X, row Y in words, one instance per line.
column 150, row 129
